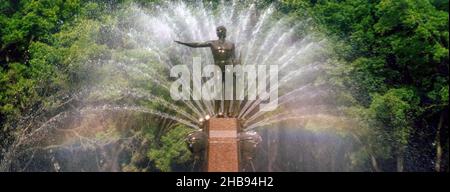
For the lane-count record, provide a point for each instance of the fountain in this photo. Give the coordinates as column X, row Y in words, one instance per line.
column 222, row 133
column 224, row 136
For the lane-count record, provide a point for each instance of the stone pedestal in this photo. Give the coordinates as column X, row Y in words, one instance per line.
column 223, row 145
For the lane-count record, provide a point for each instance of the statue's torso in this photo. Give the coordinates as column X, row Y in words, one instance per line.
column 222, row 52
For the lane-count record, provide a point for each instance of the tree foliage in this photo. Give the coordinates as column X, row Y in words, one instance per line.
column 395, row 64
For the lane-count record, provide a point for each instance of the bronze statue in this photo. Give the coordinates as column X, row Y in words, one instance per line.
column 223, row 53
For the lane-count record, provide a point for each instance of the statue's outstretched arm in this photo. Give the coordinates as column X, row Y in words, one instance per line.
column 195, row 44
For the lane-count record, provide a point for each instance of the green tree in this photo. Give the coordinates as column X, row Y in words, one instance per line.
column 392, row 116
column 387, row 50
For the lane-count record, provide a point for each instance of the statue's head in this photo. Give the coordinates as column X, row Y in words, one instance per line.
column 221, row 32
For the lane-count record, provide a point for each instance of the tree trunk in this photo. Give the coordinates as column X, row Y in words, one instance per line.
column 400, row 162
column 374, row 164
column 272, row 148
column 437, row 165
column 367, row 148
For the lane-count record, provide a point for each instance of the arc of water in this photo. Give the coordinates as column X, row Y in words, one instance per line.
column 310, row 110
column 142, row 110
column 268, row 40
column 252, row 104
column 258, row 27
column 288, row 61
column 294, row 117
column 170, row 20
column 196, row 22
column 169, row 105
column 159, row 83
column 281, row 100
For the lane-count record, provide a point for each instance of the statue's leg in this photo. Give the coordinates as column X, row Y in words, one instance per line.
column 231, row 103
column 225, row 102
column 216, row 106
column 234, row 102
column 226, row 107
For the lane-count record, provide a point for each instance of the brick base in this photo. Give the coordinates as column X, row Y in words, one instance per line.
column 222, row 145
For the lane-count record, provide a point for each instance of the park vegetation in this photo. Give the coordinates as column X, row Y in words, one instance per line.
column 389, row 71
